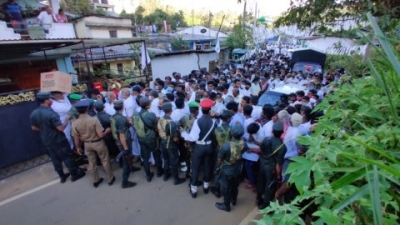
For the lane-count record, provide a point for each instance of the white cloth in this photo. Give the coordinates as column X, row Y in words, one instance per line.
column 290, row 141
column 154, row 107
column 255, row 89
column 46, row 20
column 62, row 107
column 256, row 113
column 267, row 129
column 177, row 115
column 109, row 108
column 194, row 133
column 128, row 107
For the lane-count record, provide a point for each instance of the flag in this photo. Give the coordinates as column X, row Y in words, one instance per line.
column 217, row 46
column 145, row 57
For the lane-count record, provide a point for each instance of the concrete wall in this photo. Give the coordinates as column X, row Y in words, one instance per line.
column 183, row 63
column 99, row 27
column 126, row 64
column 197, row 30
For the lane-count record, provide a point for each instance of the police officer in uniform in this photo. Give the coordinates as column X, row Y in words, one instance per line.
column 147, row 142
column 104, row 119
column 230, row 159
column 222, row 135
column 202, row 133
column 272, row 157
column 89, row 130
column 120, row 129
column 47, row 122
column 169, row 147
column 186, row 124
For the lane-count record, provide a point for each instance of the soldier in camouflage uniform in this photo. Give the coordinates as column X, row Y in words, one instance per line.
column 222, row 135
column 230, row 159
column 186, row 124
column 272, row 157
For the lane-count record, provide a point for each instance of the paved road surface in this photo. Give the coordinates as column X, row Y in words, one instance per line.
column 78, row 203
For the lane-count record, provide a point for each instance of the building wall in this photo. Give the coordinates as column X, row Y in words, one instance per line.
column 184, row 63
column 99, row 27
column 197, row 31
column 126, row 64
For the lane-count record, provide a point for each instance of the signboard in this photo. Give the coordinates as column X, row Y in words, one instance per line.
column 203, row 31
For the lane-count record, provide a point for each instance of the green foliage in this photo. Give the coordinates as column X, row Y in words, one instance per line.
column 77, row 7
column 352, row 63
column 239, row 37
column 178, row 44
column 324, row 13
column 100, row 11
column 353, row 153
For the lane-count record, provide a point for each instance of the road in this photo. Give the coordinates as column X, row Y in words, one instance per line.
column 77, row 203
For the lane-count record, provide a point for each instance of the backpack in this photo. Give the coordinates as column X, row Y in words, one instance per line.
column 161, row 127
column 114, row 132
column 222, row 135
column 139, row 125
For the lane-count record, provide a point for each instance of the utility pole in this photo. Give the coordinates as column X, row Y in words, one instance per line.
column 244, row 23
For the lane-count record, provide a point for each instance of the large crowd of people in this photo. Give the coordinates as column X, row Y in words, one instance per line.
column 205, row 124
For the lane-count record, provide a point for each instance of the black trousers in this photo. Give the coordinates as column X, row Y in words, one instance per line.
column 146, row 148
column 126, row 166
column 231, row 190
column 61, row 153
column 171, row 160
column 266, row 183
column 202, row 154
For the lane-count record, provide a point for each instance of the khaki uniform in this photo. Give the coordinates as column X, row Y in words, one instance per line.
column 86, row 127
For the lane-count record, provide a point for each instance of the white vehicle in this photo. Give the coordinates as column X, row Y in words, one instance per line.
column 278, row 94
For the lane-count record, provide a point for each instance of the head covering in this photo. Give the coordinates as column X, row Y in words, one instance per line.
column 296, row 119
column 136, row 88
column 237, row 130
column 82, row 104
column 206, row 103
column 98, row 105
column 144, row 101
column 154, row 93
column 118, row 104
column 226, row 113
column 75, row 97
column 194, row 105
column 167, row 106
column 43, row 95
column 278, row 126
column 91, row 102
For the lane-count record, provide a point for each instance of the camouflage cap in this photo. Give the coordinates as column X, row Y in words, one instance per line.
column 237, row 130
column 278, row 126
column 118, row 103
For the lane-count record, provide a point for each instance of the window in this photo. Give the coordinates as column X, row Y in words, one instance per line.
column 120, row 68
column 206, row 46
column 198, row 47
column 113, row 34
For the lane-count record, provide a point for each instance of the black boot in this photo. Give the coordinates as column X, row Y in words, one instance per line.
column 150, row 176
column 216, row 192
column 179, row 181
column 222, row 206
column 64, row 177
column 160, row 172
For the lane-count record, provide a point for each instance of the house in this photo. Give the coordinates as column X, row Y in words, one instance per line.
column 202, row 31
column 25, row 53
column 98, row 26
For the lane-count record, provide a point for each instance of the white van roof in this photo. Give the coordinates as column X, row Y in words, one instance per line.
column 287, row 89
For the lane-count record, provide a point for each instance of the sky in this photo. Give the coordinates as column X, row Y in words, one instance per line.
column 267, row 7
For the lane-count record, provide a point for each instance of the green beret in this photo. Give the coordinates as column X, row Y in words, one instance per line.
column 98, row 105
column 278, row 126
column 76, row 97
column 194, row 105
column 167, row 106
column 237, row 130
column 118, row 104
column 43, row 95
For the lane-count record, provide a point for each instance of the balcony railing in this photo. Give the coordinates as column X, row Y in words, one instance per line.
column 20, row 30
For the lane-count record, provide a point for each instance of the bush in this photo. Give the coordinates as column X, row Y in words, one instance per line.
column 353, row 155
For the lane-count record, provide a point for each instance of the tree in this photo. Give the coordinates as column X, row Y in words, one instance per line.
column 77, row 7
column 239, row 37
column 320, row 14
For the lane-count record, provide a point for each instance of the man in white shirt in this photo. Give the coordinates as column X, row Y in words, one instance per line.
column 180, row 111
column 155, row 102
column 237, row 96
column 46, row 19
column 128, row 109
column 246, row 90
column 109, row 105
column 61, row 106
column 257, row 110
column 268, row 113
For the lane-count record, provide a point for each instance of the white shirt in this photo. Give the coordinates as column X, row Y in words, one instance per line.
column 238, row 98
column 177, row 115
column 290, row 141
column 305, row 128
column 256, row 113
column 218, row 108
column 267, row 129
column 245, row 92
column 128, row 107
column 247, row 122
column 255, row 89
column 46, row 19
column 109, row 108
column 62, row 107
column 253, row 156
column 154, row 107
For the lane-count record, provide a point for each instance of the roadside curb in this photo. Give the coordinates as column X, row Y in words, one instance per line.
column 254, row 214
